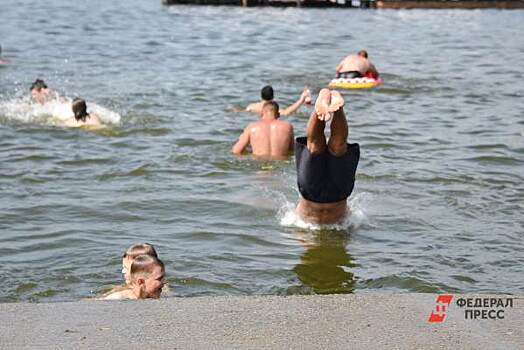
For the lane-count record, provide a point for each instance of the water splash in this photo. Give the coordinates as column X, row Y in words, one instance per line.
column 24, row 111
column 355, row 216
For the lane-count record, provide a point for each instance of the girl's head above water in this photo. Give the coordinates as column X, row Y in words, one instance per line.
column 80, row 109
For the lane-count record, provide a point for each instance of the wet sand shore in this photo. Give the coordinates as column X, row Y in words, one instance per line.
column 393, row 321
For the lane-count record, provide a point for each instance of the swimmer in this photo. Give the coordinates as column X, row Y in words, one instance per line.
column 356, row 66
column 147, row 278
column 40, row 93
column 130, row 255
column 81, row 117
column 267, row 95
column 325, row 169
column 268, row 137
column 2, row 61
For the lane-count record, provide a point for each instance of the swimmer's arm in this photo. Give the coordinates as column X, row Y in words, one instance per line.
column 242, row 142
column 293, row 108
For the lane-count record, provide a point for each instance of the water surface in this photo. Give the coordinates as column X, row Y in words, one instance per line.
column 438, row 201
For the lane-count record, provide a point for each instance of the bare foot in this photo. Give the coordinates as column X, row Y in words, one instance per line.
column 322, row 105
column 337, row 101
column 307, row 95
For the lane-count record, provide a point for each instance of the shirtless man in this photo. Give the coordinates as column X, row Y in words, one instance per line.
column 81, row 117
column 325, row 169
column 268, row 137
column 356, row 66
column 267, row 96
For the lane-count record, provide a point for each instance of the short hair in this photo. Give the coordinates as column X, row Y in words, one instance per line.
column 363, row 53
column 39, row 84
column 144, row 265
column 140, row 249
column 80, row 109
column 267, row 93
column 271, row 105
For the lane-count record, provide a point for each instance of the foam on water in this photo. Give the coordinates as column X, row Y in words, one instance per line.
column 25, row 111
column 355, row 216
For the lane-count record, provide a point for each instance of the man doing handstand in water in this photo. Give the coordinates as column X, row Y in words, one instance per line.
column 268, row 137
column 325, row 169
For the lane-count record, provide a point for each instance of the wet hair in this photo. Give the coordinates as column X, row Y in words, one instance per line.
column 363, row 53
column 144, row 265
column 39, row 84
column 271, row 105
column 140, row 249
column 267, row 93
column 80, row 109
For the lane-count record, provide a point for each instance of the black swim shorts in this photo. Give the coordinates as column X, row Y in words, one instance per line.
column 350, row 75
column 325, row 178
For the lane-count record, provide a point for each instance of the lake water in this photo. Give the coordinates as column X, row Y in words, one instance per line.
column 438, row 202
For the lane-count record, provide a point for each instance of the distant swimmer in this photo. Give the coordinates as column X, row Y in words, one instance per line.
column 81, row 117
column 267, row 95
column 40, row 93
column 356, row 66
column 2, row 61
column 147, row 278
column 325, row 169
column 268, row 137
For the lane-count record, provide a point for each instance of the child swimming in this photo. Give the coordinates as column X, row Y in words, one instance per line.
column 130, row 255
column 147, row 278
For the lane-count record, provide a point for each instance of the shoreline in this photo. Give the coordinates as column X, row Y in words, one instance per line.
column 366, row 320
column 361, row 4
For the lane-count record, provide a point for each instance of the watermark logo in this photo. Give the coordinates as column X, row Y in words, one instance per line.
column 439, row 313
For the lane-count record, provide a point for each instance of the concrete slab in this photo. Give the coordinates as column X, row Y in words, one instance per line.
column 361, row 321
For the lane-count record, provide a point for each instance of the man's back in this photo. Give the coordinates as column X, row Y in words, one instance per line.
column 355, row 63
column 272, row 138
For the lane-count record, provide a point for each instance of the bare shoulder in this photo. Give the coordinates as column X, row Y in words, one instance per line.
column 285, row 124
column 255, row 107
column 118, row 293
column 94, row 119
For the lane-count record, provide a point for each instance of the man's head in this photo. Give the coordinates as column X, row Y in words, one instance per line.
column 80, row 109
column 363, row 53
column 147, row 276
column 39, row 91
column 130, row 255
column 270, row 110
column 267, row 93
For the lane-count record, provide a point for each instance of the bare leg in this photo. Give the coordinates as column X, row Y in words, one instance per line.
column 316, row 140
column 337, row 144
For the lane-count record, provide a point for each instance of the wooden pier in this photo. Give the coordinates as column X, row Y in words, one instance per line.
column 373, row 4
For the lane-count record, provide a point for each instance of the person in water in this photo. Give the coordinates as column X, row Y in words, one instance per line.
column 130, row 255
column 325, row 168
column 147, row 278
column 81, row 117
column 40, row 93
column 356, row 66
column 267, row 95
column 268, row 137
column 2, row 61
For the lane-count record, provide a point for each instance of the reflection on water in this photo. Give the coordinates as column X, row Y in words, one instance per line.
column 325, row 266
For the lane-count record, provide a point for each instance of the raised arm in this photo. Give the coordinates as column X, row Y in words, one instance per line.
column 296, row 105
column 242, row 142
